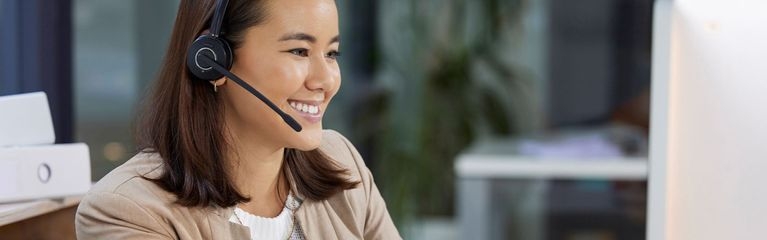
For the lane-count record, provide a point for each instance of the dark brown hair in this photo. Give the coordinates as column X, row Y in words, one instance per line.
column 182, row 121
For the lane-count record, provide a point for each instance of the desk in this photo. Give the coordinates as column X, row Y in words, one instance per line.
column 478, row 213
column 39, row 219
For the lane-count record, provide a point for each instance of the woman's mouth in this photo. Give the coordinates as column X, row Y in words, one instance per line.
column 309, row 110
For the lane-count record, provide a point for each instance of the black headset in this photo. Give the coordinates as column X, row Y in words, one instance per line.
column 210, row 58
column 213, row 46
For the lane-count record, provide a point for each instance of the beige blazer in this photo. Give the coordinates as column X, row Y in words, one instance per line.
column 122, row 205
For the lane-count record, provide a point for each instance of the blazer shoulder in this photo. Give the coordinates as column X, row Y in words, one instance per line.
column 132, row 180
column 341, row 150
column 367, row 202
column 125, row 203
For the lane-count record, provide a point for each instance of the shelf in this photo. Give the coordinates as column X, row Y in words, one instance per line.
column 18, row 211
column 509, row 166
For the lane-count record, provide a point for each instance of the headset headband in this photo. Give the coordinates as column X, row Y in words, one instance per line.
column 218, row 18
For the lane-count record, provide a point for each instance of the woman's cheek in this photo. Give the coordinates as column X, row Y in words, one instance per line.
column 296, row 72
column 287, row 76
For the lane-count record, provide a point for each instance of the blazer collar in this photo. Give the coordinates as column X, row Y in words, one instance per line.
column 222, row 228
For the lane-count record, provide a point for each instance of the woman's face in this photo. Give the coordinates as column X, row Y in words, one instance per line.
column 290, row 58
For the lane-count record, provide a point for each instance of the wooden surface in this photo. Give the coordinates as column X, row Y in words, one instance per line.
column 40, row 219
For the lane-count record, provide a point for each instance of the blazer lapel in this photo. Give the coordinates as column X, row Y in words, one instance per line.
column 222, row 228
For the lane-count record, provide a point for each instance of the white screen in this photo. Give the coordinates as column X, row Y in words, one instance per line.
column 709, row 138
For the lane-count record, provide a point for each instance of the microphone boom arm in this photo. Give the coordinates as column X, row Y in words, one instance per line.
column 285, row 117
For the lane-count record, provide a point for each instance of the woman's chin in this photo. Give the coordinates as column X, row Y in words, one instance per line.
column 308, row 139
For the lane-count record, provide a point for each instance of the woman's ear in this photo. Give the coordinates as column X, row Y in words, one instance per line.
column 217, row 83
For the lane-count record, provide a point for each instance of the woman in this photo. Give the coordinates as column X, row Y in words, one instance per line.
column 218, row 163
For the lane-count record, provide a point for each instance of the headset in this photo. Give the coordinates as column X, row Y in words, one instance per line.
column 210, row 58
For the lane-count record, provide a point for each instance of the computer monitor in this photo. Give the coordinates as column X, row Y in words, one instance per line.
column 708, row 137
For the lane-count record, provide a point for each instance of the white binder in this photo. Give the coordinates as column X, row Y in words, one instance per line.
column 45, row 171
column 31, row 166
column 25, row 119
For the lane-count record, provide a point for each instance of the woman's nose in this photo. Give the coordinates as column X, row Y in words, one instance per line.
column 322, row 75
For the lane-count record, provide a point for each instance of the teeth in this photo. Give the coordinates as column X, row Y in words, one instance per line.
column 311, row 109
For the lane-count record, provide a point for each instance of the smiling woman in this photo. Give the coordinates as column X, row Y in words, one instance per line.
column 218, row 163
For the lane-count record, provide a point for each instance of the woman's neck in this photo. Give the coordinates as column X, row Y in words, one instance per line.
column 256, row 169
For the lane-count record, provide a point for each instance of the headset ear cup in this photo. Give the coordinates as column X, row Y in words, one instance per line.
column 212, row 47
column 229, row 59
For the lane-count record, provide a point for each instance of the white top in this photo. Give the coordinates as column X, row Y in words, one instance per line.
column 278, row 227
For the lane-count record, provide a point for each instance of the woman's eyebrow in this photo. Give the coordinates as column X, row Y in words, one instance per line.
column 335, row 39
column 305, row 37
column 299, row 37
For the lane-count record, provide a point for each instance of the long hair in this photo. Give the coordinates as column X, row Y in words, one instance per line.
column 182, row 121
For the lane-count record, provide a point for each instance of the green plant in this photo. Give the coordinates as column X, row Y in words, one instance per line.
column 443, row 81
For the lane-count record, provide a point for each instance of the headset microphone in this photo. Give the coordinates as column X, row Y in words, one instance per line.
column 210, row 58
column 285, row 117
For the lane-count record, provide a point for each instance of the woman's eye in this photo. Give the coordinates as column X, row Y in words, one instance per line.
column 333, row 55
column 303, row 52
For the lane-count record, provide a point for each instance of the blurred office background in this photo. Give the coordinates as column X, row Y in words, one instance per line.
column 423, row 83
